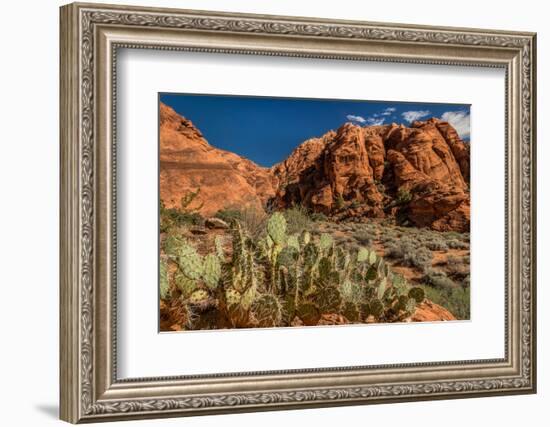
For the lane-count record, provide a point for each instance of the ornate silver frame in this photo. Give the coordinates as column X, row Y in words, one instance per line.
column 90, row 36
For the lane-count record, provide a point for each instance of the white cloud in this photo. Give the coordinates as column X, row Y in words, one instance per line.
column 357, row 119
column 388, row 111
column 411, row 116
column 375, row 121
column 460, row 120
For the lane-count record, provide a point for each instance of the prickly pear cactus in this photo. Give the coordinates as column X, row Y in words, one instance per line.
column 220, row 253
column 232, row 297
column 276, row 228
column 410, row 307
column 164, row 284
column 381, row 288
column 376, row 308
column 186, row 285
column 417, row 293
column 305, row 237
column 350, row 311
column 308, row 313
column 287, row 257
column 372, row 273
column 248, row 298
column 311, row 255
column 372, row 257
column 325, row 241
column 328, row 299
column 200, row 296
column 190, row 262
column 212, row 271
column 172, row 244
column 293, row 242
column 267, row 310
column 362, row 255
column 325, row 269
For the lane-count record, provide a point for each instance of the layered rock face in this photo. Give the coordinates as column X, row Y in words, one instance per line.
column 188, row 162
column 419, row 173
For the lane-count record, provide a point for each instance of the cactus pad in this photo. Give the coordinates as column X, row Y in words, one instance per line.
column 186, row 285
column 325, row 241
column 350, row 311
column 276, row 228
column 164, row 284
column 190, row 262
column 328, row 299
column 308, row 313
column 267, row 310
column 232, row 296
column 376, row 308
column 362, row 255
column 417, row 293
column 212, row 270
column 198, row 297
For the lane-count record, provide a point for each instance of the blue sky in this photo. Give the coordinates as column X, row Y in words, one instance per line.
column 266, row 130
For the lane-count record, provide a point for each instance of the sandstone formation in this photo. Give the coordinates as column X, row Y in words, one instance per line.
column 188, row 162
column 431, row 312
column 419, row 173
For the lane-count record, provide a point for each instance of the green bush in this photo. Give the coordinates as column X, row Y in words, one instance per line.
column 457, row 244
column 183, row 215
column 318, row 216
column 436, row 244
column 364, row 237
column 439, row 279
column 456, row 300
column 228, row 215
column 408, row 253
column 340, row 202
column 174, row 217
column 297, row 219
column 403, row 196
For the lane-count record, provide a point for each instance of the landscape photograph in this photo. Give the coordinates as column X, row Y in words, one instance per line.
column 291, row 212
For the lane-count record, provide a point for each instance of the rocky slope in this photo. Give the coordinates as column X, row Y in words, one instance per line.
column 418, row 173
column 188, row 162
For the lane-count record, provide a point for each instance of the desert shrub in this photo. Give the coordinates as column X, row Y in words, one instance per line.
column 318, row 216
column 174, row 217
column 363, row 237
column 228, row 215
column 439, row 279
column 453, row 235
column 185, row 214
column 456, row 300
column 403, row 196
column 457, row 244
column 436, row 245
column 340, row 202
column 253, row 220
column 297, row 219
column 408, row 253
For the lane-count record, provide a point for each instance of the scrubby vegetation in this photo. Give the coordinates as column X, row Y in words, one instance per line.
column 280, row 278
column 295, row 267
column 182, row 216
column 455, row 299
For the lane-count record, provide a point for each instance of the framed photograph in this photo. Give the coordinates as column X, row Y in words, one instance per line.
column 266, row 212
